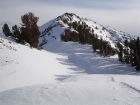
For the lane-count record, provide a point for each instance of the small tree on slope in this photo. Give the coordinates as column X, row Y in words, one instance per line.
column 29, row 22
column 6, row 30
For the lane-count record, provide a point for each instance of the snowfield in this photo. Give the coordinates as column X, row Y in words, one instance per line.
column 64, row 74
column 22, row 66
column 78, row 90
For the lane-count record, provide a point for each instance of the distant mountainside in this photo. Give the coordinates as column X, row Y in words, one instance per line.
column 51, row 30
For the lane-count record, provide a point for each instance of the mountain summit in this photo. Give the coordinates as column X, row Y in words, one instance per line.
column 51, row 30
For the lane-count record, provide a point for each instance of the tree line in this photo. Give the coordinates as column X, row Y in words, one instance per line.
column 27, row 33
column 85, row 35
column 130, row 52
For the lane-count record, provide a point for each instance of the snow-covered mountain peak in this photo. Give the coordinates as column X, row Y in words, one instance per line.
column 51, row 30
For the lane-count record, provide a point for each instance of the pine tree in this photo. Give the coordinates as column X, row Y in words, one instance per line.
column 15, row 31
column 6, row 30
column 126, row 46
column 29, row 22
column 80, row 34
column 95, row 43
column 127, row 57
column 138, row 54
column 92, row 31
column 120, row 53
column 138, row 47
column 132, row 51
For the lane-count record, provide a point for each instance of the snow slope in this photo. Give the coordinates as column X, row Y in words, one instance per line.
column 64, row 74
column 22, row 66
column 79, row 90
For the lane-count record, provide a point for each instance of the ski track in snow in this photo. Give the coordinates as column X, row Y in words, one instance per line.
column 130, row 87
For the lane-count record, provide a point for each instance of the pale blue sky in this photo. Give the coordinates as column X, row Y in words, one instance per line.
column 97, row 4
column 123, row 15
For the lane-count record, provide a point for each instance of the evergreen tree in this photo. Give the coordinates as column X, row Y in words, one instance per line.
column 85, row 35
column 138, row 64
column 120, row 53
column 74, row 25
column 95, row 44
column 138, row 54
column 15, row 31
column 131, row 46
column 138, row 47
column 126, row 47
column 127, row 56
column 6, row 30
column 92, row 31
column 29, row 22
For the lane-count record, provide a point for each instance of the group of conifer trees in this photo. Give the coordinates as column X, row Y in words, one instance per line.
column 85, row 35
column 130, row 53
column 28, row 32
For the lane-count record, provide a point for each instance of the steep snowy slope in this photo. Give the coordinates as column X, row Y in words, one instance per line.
column 55, row 27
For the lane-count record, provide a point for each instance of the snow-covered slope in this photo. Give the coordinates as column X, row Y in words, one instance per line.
column 80, row 90
column 52, row 30
column 22, row 66
column 67, row 73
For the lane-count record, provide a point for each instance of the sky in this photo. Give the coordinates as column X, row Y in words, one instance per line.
column 122, row 15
